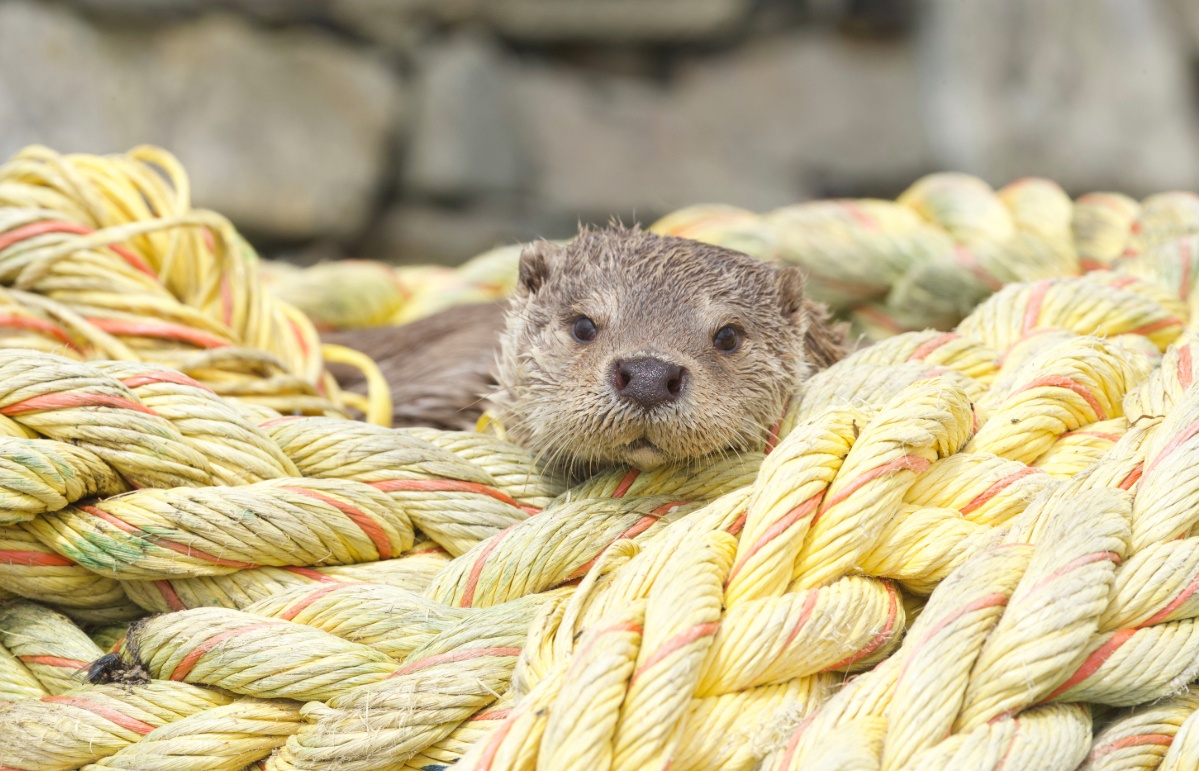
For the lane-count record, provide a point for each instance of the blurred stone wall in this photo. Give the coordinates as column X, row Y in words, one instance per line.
column 430, row 130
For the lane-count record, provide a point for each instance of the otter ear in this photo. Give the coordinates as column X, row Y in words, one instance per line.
column 824, row 339
column 536, row 264
column 791, row 296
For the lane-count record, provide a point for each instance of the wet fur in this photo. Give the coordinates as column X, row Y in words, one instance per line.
column 439, row 368
column 658, row 296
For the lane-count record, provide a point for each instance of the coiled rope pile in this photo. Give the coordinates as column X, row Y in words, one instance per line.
column 974, row 549
column 924, row 260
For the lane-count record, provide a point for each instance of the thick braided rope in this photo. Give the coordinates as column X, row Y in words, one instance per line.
column 108, row 636
column 225, row 738
column 949, row 241
column 660, row 640
column 1148, row 612
column 1142, row 737
column 440, row 684
column 349, row 294
column 453, row 501
column 1183, row 751
column 237, row 450
column 156, row 534
column 1084, row 306
column 105, row 257
column 512, row 467
column 54, row 650
column 1080, row 382
column 445, row 752
column 992, row 498
column 928, row 421
column 64, row 732
column 550, row 549
column 52, row 395
column 393, row 621
column 39, row 476
column 1016, row 556
column 33, row 570
column 253, row 730
column 857, row 382
column 1169, row 679
column 412, row 571
column 275, row 658
column 17, row 683
column 702, row 480
column 1041, row 717
column 924, row 260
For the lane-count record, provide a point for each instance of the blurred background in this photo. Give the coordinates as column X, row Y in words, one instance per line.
column 431, row 130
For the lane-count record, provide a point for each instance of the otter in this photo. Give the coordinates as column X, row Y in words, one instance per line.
column 619, row 347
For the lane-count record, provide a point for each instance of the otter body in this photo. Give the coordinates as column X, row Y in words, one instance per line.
column 621, row 347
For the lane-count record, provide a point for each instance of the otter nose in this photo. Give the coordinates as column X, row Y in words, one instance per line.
column 648, row 381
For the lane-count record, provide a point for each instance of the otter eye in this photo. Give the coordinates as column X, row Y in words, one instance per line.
column 727, row 339
column 583, row 330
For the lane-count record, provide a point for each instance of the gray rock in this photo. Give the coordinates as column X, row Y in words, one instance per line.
column 1185, row 15
column 612, row 21
column 417, row 233
column 1093, row 95
column 397, row 24
column 604, row 146
column 465, row 141
column 287, row 133
column 833, row 113
column 272, row 10
column 148, row 8
column 757, row 128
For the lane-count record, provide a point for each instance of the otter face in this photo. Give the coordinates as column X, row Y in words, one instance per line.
column 626, row 347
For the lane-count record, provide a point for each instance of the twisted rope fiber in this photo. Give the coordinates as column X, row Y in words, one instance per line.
column 412, row 570
column 103, row 257
column 1076, row 565
column 88, row 723
column 33, row 570
column 991, row 528
column 924, row 260
column 454, row 501
column 155, row 534
column 965, row 420
column 53, row 649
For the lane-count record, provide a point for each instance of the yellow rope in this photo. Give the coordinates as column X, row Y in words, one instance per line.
column 377, row 403
column 963, row 548
column 93, row 722
column 53, row 649
column 223, row 738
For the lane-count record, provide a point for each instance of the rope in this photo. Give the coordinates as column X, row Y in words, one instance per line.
column 52, row 395
column 39, row 476
column 32, row 569
column 1142, row 737
column 53, row 649
column 412, row 571
column 156, row 534
column 351, row 294
column 86, row 724
column 453, row 501
column 392, row 621
column 236, row 450
column 224, row 738
column 103, row 257
column 924, row 260
column 439, row 685
column 973, row 548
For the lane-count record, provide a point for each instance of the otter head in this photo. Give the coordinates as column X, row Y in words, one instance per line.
column 625, row 347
